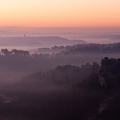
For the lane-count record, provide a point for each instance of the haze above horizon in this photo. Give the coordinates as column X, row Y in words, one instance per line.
column 59, row 13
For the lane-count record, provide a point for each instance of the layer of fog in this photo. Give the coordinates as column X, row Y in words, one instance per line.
column 91, row 35
column 36, row 42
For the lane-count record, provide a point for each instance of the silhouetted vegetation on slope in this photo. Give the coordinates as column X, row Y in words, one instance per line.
column 52, row 95
column 105, row 99
column 62, row 75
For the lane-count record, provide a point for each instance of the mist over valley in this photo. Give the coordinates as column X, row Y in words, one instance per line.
column 53, row 77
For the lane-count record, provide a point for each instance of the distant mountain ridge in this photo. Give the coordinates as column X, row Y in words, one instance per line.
column 44, row 41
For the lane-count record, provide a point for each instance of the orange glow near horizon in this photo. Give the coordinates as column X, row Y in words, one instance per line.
column 59, row 13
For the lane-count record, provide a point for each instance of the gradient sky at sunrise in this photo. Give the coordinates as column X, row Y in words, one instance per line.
column 60, row 13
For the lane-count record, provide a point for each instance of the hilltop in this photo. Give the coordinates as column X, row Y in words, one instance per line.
column 44, row 41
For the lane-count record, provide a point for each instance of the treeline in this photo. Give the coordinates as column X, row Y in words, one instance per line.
column 82, row 48
column 62, row 75
column 78, row 48
column 6, row 52
column 97, row 48
column 64, row 50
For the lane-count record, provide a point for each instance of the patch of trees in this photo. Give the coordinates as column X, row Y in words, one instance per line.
column 97, row 48
column 110, row 71
column 62, row 75
column 6, row 52
column 52, row 50
column 79, row 48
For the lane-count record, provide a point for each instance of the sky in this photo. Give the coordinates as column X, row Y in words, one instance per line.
column 60, row 13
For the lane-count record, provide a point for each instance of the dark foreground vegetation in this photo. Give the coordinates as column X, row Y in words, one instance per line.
column 89, row 92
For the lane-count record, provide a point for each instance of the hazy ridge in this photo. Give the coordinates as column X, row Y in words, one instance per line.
column 47, row 41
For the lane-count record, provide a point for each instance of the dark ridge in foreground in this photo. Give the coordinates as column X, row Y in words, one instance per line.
column 89, row 92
